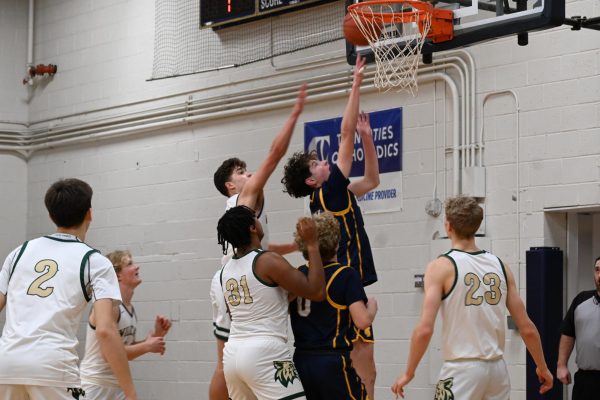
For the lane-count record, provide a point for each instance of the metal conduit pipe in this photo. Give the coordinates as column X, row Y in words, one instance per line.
column 188, row 106
column 472, row 96
column 168, row 96
column 170, row 119
column 215, row 103
column 465, row 110
column 463, row 101
column 27, row 150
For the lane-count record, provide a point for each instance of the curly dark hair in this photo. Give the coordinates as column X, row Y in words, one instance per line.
column 295, row 173
column 234, row 227
column 224, row 172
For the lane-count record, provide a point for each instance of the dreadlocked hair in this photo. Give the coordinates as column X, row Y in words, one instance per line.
column 234, row 227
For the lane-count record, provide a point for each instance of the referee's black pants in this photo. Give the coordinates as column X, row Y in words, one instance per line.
column 587, row 385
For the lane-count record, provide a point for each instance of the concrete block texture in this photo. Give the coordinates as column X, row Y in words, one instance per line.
column 154, row 192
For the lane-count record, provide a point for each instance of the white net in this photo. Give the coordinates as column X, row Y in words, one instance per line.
column 396, row 32
column 181, row 47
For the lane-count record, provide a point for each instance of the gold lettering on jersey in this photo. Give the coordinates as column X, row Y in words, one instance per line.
column 233, row 287
column 492, row 296
column 49, row 268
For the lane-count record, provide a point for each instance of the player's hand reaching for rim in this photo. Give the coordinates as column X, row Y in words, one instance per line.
column 363, row 126
column 299, row 106
column 307, row 229
column 358, row 70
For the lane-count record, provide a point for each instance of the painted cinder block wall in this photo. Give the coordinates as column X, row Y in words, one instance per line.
column 154, row 193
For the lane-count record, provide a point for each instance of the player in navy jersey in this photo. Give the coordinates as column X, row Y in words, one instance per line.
column 323, row 330
column 330, row 190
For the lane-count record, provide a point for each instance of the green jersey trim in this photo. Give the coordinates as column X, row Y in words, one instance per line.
column 447, row 255
column 84, row 261
column 260, row 253
column 23, row 246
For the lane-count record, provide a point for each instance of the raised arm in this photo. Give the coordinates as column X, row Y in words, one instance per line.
column 528, row 332
column 112, row 346
column 435, row 275
column 346, row 148
column 253, row 188
column 276, row 268
column 371, row 179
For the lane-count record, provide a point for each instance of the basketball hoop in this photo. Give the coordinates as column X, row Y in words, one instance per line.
column 396, row 31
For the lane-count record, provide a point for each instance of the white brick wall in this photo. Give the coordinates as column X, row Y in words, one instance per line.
column 154, row 192
column 13, row 60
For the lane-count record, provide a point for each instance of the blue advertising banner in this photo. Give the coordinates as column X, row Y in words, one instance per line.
column 324, row 137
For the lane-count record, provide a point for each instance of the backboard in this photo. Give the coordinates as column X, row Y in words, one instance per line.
column 477, row 21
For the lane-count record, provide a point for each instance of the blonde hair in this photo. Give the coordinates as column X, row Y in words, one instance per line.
column 329, row 236
column 464, row 214
column 117, row 258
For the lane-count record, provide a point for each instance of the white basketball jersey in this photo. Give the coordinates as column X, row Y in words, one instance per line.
column 94, row 368
column 256, row 308
column 474, row 312
column 262, row 217
column 48, row 282
column 221, row 319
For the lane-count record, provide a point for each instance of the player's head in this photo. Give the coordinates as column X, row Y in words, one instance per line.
column 127, row 271
column 231, row 176
column 303, row 173
column 463, row 215
column 237, row 226
column 68, row 202
column 329, row 237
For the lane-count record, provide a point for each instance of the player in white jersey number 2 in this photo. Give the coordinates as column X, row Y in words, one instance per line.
column 474, row 289
column 45, row 284
column 256, row 360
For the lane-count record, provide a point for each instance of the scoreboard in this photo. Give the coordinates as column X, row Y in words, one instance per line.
column 221, row 13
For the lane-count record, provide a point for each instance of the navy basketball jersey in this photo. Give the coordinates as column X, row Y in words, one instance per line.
column 354, row 249
column 327, row 324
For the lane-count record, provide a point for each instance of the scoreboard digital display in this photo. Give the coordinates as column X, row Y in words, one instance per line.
column 221, row 13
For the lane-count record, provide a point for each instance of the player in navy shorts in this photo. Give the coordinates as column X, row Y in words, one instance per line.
column 323, row 331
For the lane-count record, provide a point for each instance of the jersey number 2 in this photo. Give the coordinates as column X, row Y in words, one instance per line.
column 491, row 296
column 234, row 288
column 50, row 268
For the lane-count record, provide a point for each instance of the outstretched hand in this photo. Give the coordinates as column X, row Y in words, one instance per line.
column 363, row 126
column 358, row 70
column 299, row 106
column 307, row 230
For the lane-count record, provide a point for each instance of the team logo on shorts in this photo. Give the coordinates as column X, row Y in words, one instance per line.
column 443, row 390
column 76, row 392
column 285, row 372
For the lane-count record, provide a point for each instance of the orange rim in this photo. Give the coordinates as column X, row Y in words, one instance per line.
column 423, row 11
column 442, row 28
